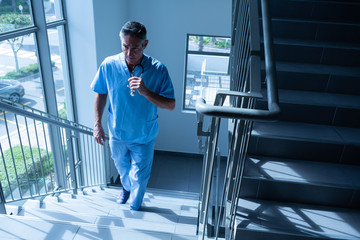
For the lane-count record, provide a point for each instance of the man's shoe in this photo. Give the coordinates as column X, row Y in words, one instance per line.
column 135, row 209
column 124, row 196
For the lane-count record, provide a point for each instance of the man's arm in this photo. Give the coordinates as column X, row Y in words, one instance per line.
column 100, row 102
column 156, row 99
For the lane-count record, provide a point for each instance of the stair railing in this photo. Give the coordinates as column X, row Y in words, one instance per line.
column 245, row 76
column 42, row 154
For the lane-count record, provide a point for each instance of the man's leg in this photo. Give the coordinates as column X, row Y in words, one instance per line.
column 141, row 162
column 121, row 156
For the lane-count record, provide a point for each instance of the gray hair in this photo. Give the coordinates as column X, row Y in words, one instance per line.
column 134, row 29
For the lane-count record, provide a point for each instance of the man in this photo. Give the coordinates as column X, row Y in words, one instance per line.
column 132, row 119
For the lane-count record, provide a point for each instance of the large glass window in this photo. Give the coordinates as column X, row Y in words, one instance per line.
column 60, row 73
column 207, row 63
column 33, row 71
column 23, row 49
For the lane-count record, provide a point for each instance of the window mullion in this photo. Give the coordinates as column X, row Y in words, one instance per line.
column 42, row 43
column 17, row 33
column 45, row 68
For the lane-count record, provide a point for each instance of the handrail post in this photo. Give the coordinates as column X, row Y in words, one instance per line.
column 270, row 64
column 70, row 150
column 2, row 201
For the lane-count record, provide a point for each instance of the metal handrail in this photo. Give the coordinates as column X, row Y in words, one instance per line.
column 246, row 67
column 273, row 112
column 46, row 119
column 76, row 157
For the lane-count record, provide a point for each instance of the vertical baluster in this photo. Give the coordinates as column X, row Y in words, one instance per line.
column 97, row 162
column 7, row 174
column 48, row 160
column 64, row 158
column 39, row 153
column 12, row 156
column 92, row 145
column 89, row 161
column 23, row 155
column 85, row 160
column 32, row 158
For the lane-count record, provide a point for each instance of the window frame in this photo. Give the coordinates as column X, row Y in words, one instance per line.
column 40, row 29
column 205, row 53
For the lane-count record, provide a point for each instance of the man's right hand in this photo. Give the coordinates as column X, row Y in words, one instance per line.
column 99, row 134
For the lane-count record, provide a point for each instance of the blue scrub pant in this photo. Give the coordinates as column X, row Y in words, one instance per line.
column 133, row 162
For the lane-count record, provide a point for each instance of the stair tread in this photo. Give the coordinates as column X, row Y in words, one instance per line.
column 316, row 10
column 306, row 172
column 314, row 43
column 120, row 218
column 164, row 215
column 309, row 132
column 297, row 219
column 318, row 98
column 316, row 68
column 35, row 228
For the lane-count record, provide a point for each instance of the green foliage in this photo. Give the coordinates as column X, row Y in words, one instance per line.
column 221, row 44
column 210, row 41
column 34, row 160
column 10, row 21
column 24, row 71
column 6, row 6
column 206, row 40
column 62, row 111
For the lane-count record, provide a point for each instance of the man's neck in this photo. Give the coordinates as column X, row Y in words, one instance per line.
column 132, row 66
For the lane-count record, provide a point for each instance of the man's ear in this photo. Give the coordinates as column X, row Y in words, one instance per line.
column 146, row 43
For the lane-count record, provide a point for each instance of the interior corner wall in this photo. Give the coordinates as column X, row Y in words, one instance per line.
column 94, row 26
column 80, row 18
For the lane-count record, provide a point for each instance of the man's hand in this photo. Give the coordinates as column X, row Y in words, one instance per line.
column 137, row 83
column 99, row 134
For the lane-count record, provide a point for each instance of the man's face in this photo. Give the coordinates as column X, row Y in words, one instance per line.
column 133, row 49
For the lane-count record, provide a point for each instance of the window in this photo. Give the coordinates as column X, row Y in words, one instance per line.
column 32, row 34
column 207, row 63
column 34, row 71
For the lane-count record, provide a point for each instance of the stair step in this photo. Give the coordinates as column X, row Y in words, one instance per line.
column 317, row 108
column 142, row 220
column 318, row 69
column 316, row 77
column 281, row 221
column 316, row 30
column 309, row 182
column 94, row 213
column 307, row 132
column 306, row 142
column 17, row 227
column 331, row 11
column 103, row 202
column 307, row 172
column 317, row 54
column 34, row 228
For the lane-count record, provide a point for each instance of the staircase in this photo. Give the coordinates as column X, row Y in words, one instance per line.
column 302, row 176
column 94, row 214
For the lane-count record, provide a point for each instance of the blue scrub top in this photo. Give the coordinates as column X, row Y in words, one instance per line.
column 132, row 118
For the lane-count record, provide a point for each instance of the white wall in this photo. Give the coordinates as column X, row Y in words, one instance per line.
column 168, row 22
